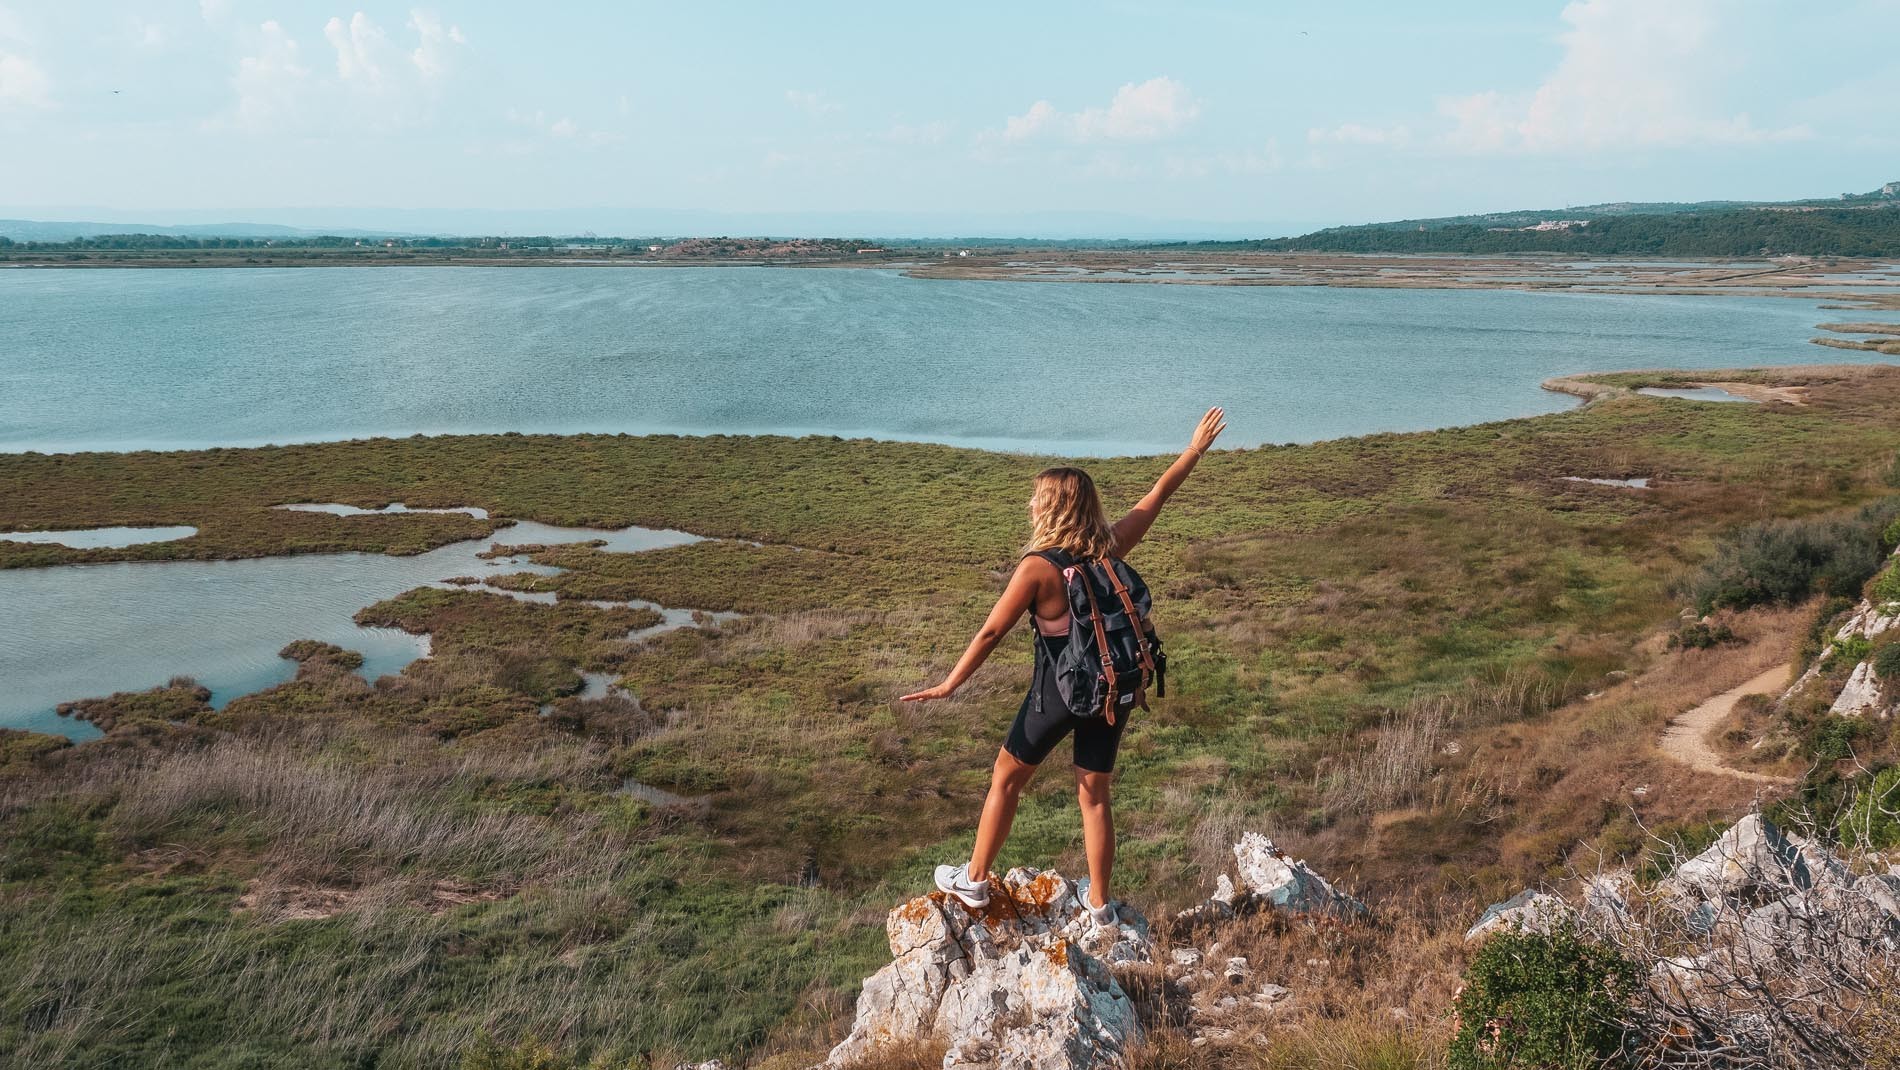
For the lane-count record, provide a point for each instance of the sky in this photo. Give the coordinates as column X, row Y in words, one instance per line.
column 1099, row 119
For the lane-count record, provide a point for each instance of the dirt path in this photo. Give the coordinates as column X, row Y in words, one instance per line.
column 1686, row 738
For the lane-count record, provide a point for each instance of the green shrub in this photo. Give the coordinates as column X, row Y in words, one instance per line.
column 1700, row 636
column 1870, row 822
column 1886, row 588
column 1821, row 628
column 1785, row 561
column 1833, row 738
column 1852, row 651
column 1547, row 1001
column 1887, row 664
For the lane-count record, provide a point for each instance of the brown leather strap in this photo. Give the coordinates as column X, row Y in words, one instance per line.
column 1101, row 644
column 1134, row 621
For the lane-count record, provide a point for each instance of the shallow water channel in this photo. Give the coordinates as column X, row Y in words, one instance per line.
column 82, row 631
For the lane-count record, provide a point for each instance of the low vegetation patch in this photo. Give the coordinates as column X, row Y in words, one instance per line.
column 1786, row 561
column 1542, row 999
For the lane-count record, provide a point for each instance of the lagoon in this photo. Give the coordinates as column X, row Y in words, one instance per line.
column 171, row 359
column 83, row 631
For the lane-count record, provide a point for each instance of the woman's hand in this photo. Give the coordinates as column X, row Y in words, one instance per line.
column 943, row 690
column 1211, row 426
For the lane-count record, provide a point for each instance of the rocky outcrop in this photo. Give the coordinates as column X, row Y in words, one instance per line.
column 1026, row 983
column 1527, row 911
column 1862, row 694
column 1754, row 860
column 1270, row 879
column 1031, row 983
column 1760, row 944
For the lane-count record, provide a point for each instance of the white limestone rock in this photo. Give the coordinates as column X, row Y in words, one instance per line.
column 1224, row 890
column 1862, row 695
column 1527, row 911
column 1236, row 971
column 1606, row 899
column 1023, row 984
column 1286, row 882
column 1870, row 620
column 1755, row 858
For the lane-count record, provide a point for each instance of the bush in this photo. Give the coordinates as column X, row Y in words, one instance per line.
column 1785, row 561
column 1887, row 587
column 1871, row 822
column 1887, row 664
column 1700, row 636
column 1542, row 1000
column 1821, row 628
column 1831, row 739
column 1851, row 651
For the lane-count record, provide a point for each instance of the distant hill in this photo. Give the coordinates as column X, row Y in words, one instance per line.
column 58, row 231
column 1853, row 224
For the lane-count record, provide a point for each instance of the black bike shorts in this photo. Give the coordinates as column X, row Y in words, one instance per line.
column 1040, row 726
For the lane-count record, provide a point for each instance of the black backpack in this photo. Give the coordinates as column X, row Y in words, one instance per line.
column 1113, row 654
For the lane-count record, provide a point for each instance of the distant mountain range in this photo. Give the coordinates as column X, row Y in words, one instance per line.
column 974, row 227
column 50, row 230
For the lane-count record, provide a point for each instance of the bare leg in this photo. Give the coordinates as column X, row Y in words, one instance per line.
column 1098, row 831
column 1007, row 781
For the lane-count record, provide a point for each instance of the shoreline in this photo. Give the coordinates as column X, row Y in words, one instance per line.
column 1875, row 281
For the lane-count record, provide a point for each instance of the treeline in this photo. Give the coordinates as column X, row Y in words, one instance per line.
column 1750, row 232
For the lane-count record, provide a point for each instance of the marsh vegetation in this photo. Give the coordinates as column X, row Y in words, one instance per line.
column 1428, row 659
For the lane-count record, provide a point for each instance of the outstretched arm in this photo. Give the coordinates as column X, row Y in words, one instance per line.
column 1015, row 601
column 1130, row 529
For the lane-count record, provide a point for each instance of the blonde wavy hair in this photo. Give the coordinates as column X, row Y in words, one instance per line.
column 1066, row 514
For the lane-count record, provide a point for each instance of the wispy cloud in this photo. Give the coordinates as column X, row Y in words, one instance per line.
column 1359, row 134
column 268, row 82
column 1633, row 73
column 1262, row 160
column 362, row 51
column 810, row 100
column 552, row 127
column 23, row 84
column 1153, row 109
column 373, row 81
column 436, row 44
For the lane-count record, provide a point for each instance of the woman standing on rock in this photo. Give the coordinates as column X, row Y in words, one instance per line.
column 1069, row 532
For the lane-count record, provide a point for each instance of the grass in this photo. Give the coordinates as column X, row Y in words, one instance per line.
column 383, row 872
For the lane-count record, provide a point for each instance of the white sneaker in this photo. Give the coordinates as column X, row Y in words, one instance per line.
column 955, row 880
column 1103, row 916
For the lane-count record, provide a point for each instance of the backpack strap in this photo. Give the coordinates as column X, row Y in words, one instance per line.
column 1101, row 647
column 1056, row 556
column 1134, row 621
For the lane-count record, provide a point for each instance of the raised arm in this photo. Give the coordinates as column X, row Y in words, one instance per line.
column 1016, row 600
column 1130, row 529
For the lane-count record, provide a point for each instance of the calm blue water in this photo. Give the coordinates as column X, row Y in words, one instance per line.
column 93, row 359
column 80, row 631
